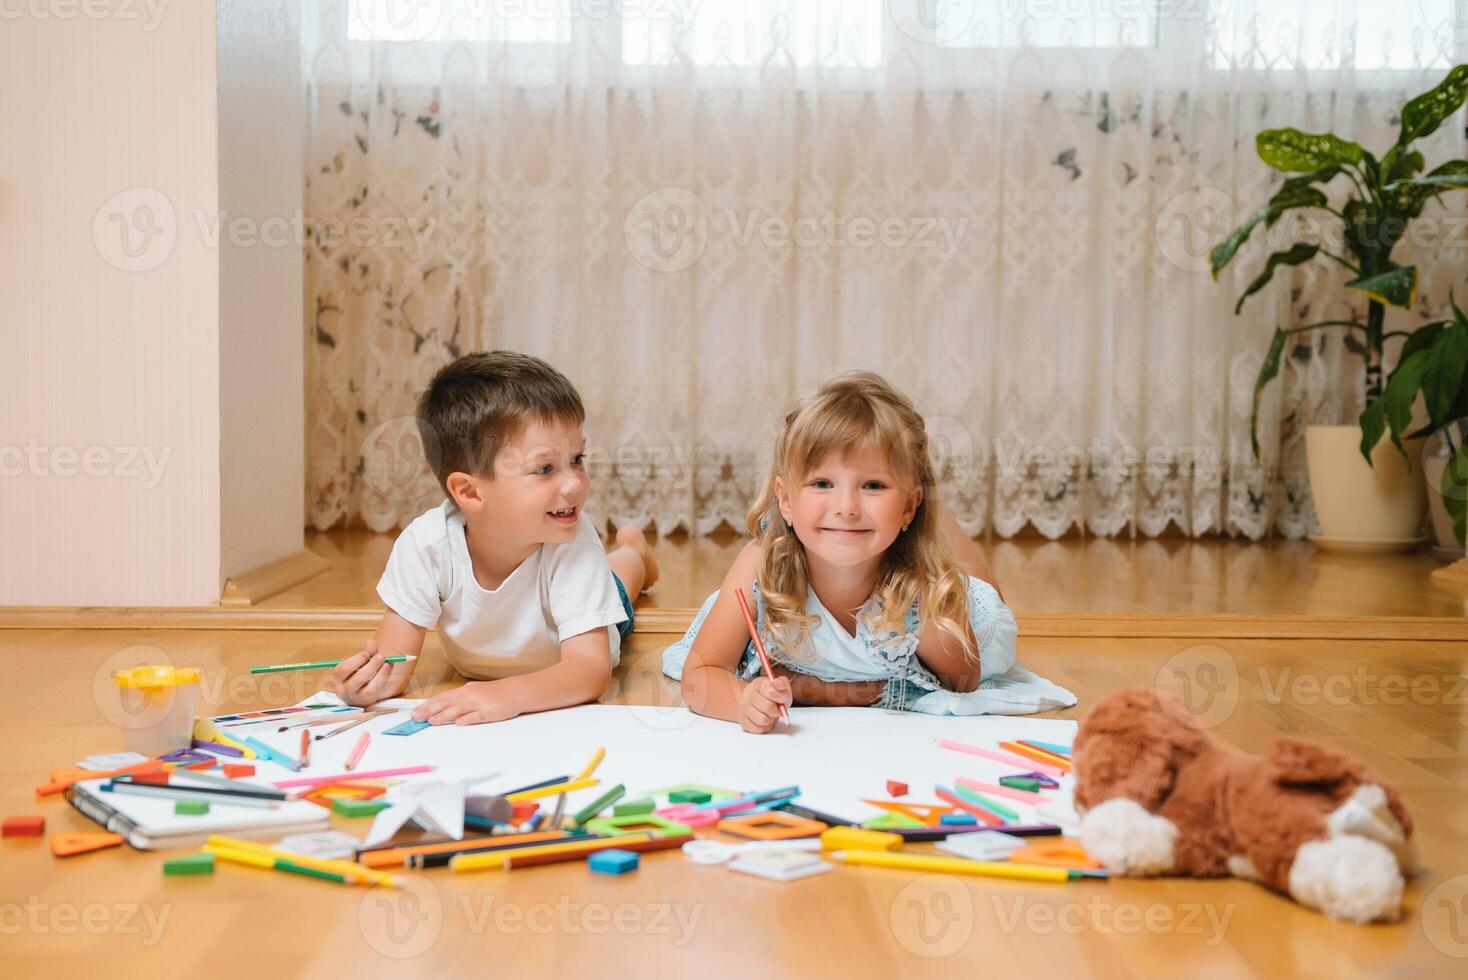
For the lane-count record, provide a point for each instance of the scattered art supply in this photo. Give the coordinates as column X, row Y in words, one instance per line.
column 68, row 843
column 775, row 825
column 323, row 664
column 27, row 826
column 218, row 748
column 305, row 751
column 948, row 796
column 790, row 806
column 895, row 788
column 1036, row 755
column 633, row 808
column 236, row 771
column 642, row 823
column 949, row 865
column 112, row 760
column 358, row 808
column 190, row 864
column 192, row 792
column 361, row 719
column 64, row 779
column 555, row 789
column 781, row 865
column 892, row 821
column 759, row 647
column 1025, row 784
column 693, row 818
column 1015, row 830
column 689, row 796
column 273, row 755
column 1057, row 853
column 924, row 813
column 613, row 861
column 1060, row 750
column 1008, row 758
column 957, row 819
column 974, row 785
column 332, row 844
column 495, row 860
column 191, row 808
column 342, row 776
column 991, row 845
column 252, row 852
column 521, row 858
column 409, row 727
column 858, row 839
column 357, row 751
column 590, row 767
column 709, row 851
column 993, row 806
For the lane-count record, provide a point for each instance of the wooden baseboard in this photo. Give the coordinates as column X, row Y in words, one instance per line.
column 675, row 621
column 272, row 578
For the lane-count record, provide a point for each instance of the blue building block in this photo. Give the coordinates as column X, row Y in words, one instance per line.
column 613, row 861
column 957, row 820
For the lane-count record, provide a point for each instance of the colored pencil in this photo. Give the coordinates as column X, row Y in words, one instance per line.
column 513, row 861
column 543, row 782
column 535, row 794
column 922, row 834
column 795, row 809
column 401, row 855
column 993, row 806
column 353, row 872
column 1060, row 750
column 191, row 793
column 305, row 755
column 218, row 748
column 1008, row 758
column 759, row 646
column 271, row 754
column 948, row 796
column 929, row 862
column 1047, row 758
column 495, row 860
column 444, row 859
column 320, row 665
column 357, row 750
column 596, row 758
column 342, row 777
column 599, row 804
column 1008, row 793
column 233, row 785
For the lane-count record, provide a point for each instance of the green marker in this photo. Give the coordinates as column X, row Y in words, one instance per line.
column 599, row 804
column 320, row 665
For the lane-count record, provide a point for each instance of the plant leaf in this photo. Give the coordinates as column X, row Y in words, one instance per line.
column 1402, row 165
column 1410, row 194
column 1267, row 373
column 1445, row 372
column 1454, row 487
column 1295, row 256
column 1396, row 287
column 1222, row 253
column 1424, row 114
column 1289, row 197
column 1395, row 403
column 1293, row 151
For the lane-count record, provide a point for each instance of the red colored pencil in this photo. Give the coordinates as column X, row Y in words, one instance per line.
column 305, row 747
column 759, row 646
column 357, row 750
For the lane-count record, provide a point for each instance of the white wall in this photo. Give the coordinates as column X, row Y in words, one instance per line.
column 261, row 355
column 112, row 340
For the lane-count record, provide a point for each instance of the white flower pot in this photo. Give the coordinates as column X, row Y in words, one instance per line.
column 1360, row 507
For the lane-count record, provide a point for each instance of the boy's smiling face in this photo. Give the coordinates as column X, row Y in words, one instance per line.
column 539, row 484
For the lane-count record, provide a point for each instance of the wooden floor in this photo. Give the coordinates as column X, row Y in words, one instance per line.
column 1399, row 705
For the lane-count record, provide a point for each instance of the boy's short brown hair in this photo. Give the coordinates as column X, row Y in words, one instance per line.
column 476, row 403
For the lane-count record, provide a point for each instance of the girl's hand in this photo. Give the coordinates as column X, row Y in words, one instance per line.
column 364, row 678
column 472, row 704
column 759, row 703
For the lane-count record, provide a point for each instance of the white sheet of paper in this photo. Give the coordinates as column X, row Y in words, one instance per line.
column 837, row 756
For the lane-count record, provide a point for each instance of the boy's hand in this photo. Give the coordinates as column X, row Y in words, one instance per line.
column 759, row 703
column 363, row 678
column 474, row 703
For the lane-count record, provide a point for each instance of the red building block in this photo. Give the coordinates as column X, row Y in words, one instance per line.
column 235, row 771
column 23, row 827
column 895, row 788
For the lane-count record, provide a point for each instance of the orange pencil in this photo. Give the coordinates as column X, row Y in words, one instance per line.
column 357, row 751
column 305, row 747
column 1039, row 755
column 759, row 646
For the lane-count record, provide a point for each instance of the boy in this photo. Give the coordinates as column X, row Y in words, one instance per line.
column 508, row 569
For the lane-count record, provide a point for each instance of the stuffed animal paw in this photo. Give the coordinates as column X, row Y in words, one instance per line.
column 1158, row 796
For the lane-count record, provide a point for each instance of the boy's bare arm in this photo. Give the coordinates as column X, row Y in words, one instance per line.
column 581, row 675
column 365, row 678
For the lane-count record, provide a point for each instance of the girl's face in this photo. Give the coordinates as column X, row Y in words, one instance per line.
column 849, row 507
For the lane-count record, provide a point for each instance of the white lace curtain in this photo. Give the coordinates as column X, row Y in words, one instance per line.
column 699, row 208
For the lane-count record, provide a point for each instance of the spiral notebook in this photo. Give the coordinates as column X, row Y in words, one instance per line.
column 149, row 823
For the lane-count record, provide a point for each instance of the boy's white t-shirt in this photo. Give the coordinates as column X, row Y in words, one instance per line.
column 560, row 591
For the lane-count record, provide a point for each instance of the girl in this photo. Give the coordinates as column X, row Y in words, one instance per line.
column 855, row 591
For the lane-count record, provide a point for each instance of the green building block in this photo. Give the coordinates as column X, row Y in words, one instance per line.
column 1020, row 782
column 892, row 821
column 191, row 808
column 632, row 808
column 689, row 796
column 358, row 808
column 190, row 864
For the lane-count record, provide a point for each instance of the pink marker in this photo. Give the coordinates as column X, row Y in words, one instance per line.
column 342, row 777
column 1005, row 791
column 1004, row 757
column 357, row 750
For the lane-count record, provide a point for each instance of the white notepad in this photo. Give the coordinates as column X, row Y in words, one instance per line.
column 149, row 823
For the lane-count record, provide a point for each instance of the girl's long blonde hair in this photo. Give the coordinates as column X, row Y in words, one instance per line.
column 849, row 414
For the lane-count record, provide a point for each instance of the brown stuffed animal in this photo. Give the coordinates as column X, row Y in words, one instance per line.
column 1158, row 796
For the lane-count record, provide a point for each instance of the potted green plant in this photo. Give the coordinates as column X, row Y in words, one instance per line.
column 1374, row 502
